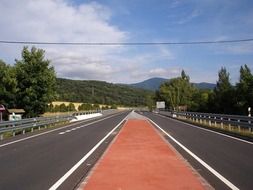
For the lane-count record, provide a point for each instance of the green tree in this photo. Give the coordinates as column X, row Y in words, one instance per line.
column 50, row 108
column 8, row 85
column 150, row 102
column 36, row 81
column 113, row 106
column 56, row 108
column 63, row 108
column 96, row 107
column 71, row 107
column 244, row 90
column 223, row 98
column 177, row 92
column 200, row 100
column 85, row 107
column 184, row 76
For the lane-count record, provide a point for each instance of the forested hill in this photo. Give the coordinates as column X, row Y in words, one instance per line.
column 100, row 92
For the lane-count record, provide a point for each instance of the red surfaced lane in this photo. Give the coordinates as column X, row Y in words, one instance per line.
column 140, row 159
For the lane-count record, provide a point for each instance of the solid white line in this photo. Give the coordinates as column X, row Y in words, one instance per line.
column 235, row 138
column 213, row 171
column 33, row 136
column 65, row 176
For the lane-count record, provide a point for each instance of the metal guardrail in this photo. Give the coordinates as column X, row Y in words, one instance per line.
column 37, row 122
column 210, row 119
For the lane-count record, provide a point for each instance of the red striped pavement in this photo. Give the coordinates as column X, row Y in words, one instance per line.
column 140, row 159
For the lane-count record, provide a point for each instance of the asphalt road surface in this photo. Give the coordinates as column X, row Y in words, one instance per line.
column 231, row 158
column 39, row 162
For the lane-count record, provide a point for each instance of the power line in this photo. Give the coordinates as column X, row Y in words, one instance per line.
column 125, row 43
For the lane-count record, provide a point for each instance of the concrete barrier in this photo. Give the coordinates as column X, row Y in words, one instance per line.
column 86, row 116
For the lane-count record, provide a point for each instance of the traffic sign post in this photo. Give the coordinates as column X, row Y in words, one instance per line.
column 2, row 109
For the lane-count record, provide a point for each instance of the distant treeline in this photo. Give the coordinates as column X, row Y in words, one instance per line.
column 83, row 107
column 225, row 98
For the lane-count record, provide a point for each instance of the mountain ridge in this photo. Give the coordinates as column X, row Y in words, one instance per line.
column 155, row 82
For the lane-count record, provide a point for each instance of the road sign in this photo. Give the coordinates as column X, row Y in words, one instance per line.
column 2, row 108
column 160, row 105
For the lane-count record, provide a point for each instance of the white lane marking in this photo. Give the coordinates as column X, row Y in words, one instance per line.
column 65, row 176
column 33, row 136
column 213, row 171
column 235, row 138
column 67, row 131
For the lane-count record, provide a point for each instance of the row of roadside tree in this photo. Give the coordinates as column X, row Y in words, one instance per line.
column 71, row 107
column 225, row 98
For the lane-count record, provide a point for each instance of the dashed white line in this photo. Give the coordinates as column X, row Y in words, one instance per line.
column 213, row 171
column 65, row 176
column 58, row 129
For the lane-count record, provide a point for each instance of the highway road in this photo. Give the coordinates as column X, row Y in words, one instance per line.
column 229, row 160
column 41, row 161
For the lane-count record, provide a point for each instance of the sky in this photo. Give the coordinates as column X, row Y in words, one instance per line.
column 130, row 21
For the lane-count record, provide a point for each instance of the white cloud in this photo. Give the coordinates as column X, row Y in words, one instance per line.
column 59, row 21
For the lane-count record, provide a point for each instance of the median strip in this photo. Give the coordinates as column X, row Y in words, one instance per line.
column 140, row 159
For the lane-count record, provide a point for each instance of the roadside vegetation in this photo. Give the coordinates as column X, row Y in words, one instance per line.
column 224, row 99
column 241, row 132
column 31, row 84
column 74, row 107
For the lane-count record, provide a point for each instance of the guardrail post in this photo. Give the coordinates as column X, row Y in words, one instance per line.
column 201, row 119
column 215, row 123
column 13, row 133
column 32, row 129
column 23, row 131
column 250, row 129
column 1, row 137
column 210, row 122
column 229, row 125
column 239, row 127
column 221, row 122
